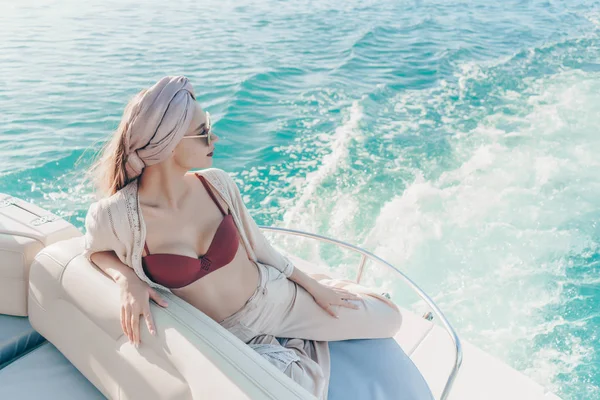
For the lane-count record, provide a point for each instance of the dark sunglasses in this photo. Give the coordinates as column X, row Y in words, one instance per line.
column 208, row 128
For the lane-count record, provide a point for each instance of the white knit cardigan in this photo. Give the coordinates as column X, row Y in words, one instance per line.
column 116, row 223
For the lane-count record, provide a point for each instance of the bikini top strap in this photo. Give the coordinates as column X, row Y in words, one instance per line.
column 210, row 192
column 146, row 248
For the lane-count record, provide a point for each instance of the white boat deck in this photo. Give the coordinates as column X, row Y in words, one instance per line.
column 481, row 376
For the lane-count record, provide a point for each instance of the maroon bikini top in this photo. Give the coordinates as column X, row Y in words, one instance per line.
column 175, row 271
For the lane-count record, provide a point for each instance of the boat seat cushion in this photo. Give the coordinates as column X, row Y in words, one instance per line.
column 374, row 369
column 45, row 373
column 17, row 337
column 76, row 308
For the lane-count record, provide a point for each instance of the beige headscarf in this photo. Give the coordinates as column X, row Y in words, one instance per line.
column 165, row 112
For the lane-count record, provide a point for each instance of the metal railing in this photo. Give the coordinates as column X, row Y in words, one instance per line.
column 368, row 255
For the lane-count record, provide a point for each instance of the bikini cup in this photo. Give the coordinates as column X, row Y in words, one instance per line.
column 175, row 270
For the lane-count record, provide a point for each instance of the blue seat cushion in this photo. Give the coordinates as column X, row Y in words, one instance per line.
column 17, row 337
column 45, row 373
column 374, row 369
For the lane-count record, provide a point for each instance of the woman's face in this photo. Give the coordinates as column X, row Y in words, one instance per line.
column 195, row 153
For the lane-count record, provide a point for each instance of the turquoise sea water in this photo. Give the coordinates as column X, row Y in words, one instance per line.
column 458, row 140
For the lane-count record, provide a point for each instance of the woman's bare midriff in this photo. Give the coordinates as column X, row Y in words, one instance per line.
column 224, row 291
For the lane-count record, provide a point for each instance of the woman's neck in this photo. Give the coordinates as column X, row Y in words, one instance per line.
column 160, row 188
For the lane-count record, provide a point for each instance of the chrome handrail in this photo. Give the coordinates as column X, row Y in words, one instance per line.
column 368, row 255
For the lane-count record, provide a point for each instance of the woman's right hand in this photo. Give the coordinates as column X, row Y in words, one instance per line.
column 135, row 301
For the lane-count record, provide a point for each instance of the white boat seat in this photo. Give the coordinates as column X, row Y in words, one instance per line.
column 76, row 307
column 25, row 229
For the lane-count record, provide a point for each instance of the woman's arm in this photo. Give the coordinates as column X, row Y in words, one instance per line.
column 324, row 295
column 135, row 294
column 109, row 263
column 101, row 248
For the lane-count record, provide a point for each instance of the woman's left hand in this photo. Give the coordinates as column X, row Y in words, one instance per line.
column 327, row 296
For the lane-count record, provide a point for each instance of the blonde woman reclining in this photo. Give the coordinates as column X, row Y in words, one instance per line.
column 159, row 226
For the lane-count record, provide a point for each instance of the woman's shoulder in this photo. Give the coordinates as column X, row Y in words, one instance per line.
column 109, row 219
column 117, row 201
column 219, row 178
column 212, row 173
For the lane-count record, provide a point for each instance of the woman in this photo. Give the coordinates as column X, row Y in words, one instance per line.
column 156, row 218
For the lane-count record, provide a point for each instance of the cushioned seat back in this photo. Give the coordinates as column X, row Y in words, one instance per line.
column 25, row 229
column 76, row 308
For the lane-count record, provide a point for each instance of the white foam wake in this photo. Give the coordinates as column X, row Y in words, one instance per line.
column 301, row 214
column 492, row 238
